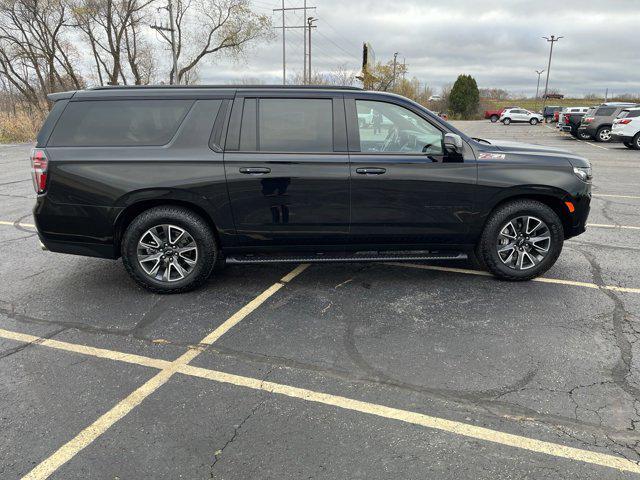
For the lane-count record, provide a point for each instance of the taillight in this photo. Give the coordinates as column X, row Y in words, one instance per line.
column 624, row 121
column 566, row 118
column 39, row 164
column 587, row 119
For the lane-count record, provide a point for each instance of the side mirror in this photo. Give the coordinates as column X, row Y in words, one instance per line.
column 452, row 143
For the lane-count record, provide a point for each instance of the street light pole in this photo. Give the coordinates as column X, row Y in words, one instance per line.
column 551, row 40
column 539, row 72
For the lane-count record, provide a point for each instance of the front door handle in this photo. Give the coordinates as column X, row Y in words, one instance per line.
column 371, row 171
column 254, row 170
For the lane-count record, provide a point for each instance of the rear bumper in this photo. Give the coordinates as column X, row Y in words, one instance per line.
column 76, row 229
column 622, row 136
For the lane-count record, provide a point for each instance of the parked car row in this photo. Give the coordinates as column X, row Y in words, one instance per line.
column 611, row 121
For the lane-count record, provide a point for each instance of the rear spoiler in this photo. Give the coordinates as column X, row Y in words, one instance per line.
column 54, row 97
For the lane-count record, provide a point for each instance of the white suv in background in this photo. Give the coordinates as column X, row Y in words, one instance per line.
column 626, row 127
column 520, row 115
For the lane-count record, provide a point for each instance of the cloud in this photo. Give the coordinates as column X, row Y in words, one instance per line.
column 497, row 42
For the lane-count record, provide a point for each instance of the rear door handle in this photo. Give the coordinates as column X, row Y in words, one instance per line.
column 371, row 171
column 254, row 170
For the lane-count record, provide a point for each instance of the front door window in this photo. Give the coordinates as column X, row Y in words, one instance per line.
column 388, row 128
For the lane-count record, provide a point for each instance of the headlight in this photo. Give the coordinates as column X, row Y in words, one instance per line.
column 583, row 173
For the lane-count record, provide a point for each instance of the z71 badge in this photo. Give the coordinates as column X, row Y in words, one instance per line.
column 491, row 156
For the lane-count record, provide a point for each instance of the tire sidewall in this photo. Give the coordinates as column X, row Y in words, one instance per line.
column 488, row 246
column 636, row 142
column 599, row 132
column 533, row 121
column 583, row 135
column 183, row 218
column 494, row 118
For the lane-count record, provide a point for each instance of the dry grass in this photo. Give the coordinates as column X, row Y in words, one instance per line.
column 19, row 128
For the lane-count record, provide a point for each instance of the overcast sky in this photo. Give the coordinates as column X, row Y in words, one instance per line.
column 498, row 42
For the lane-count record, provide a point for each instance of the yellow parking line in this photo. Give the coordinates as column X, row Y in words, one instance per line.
column 558, row 281
column 25, row 225
column 436, row 423
column 615, row 196
column 122, row 408
column 602, row 225
column 406, row 416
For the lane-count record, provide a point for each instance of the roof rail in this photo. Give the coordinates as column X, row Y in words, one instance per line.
column 143, row 87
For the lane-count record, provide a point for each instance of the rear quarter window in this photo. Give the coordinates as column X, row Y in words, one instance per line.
column 605, row 111
column 119, row 123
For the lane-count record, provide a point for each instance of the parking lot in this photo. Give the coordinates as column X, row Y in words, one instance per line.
column 327, row 371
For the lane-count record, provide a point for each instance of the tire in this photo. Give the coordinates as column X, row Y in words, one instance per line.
column 635, row 144
column 574, row 134
column 176, row 271
column 583, row 135
column 512, row 213
column 506, row 121
column 603, row 134
column 533, row 121
column 494, row 118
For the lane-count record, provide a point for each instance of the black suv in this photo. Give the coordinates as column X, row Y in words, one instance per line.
column 178, row 180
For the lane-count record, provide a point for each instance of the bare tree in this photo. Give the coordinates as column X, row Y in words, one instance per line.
column 204, row 28
column 113, row 30
column 35, row 55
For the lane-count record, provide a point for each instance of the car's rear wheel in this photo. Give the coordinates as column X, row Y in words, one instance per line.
column 494, row 118
column 521, row 240
column 635, row 144
column 169, row 249
column 506, row 121
column 583, row 135
column 533, row 121
column 603, row 134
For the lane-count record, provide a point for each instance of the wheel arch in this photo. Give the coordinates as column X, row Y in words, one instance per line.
column 552, row 199
column 131, row 211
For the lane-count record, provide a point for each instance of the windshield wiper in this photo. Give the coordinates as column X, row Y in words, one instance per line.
column 481, row 140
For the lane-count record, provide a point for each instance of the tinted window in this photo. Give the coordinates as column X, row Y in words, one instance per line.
column 629, row 114
column 385, row 127
column 122, row 123
column 605, row 111
column 295, row 125
column 248, row 131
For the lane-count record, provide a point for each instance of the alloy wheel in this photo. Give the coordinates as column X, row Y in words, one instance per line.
column 523, row 242
column 604, row 135
column 167, row 253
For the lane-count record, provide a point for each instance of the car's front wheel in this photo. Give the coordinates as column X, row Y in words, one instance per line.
column 506, row 121
column 494, row 118
column 521, row 240
column 169, row 249
column 533, row 121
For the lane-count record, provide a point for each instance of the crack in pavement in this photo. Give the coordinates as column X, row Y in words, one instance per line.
column 236, row 429
column 19, row 348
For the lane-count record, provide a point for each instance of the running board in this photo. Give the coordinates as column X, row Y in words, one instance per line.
column 353, row 257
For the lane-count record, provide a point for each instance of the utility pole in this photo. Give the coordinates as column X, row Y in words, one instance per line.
column 284, row 48
column 172, row 40
column 552, row 40
column 310, row 21
column 284, row 28
column 539, row 72
column 606, row 94
column 395, row 57
column 304, row 38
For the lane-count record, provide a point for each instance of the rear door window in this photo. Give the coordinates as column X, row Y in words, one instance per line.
column 294, row 125
column 119, row 123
